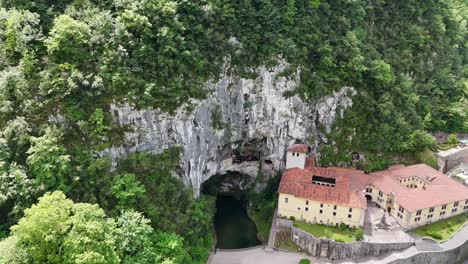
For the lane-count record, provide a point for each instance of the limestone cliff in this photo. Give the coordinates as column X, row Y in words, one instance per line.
column 237, row 114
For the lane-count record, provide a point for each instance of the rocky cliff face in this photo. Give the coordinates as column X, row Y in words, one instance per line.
column 240, row 117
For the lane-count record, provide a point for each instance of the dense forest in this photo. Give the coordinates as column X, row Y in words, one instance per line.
column 63, row 62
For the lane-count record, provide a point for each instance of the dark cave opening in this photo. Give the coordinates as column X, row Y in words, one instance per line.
column 234, row 229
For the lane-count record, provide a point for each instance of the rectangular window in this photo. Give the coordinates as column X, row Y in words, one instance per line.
column 429, row 216
column 454, row 210
column 298, row 208
column 418, row 212
column 417, row 219
column 349, row 216
column 442, row 213
column 466, row 202
column 465, row 208
column 334, row 213
column 321, row 211
column 400, row 216
column 401, row 209
column 380, row 193
column 321, row 205
column 431, row 209
column 350, row 210
column 286, row 200
column 334, row 207
column 455, row 204
column 444, row 207
column 307, row 209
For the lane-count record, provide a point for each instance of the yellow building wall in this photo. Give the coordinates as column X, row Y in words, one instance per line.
column 376, row 198
column 309, row 211
column 424, row 220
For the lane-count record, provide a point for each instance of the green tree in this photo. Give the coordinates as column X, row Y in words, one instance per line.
column 48, row 161
column 452, row 139
column 127, row 190
column 68, row 41
column 418, row 141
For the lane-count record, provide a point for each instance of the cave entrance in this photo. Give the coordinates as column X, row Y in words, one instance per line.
column 234, row 229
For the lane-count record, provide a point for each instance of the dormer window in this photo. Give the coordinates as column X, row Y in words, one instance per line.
column 324, row 181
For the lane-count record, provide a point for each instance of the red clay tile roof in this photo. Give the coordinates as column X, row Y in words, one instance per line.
column 301, row 148
column 440, row 189
column 351, row 183
column 298, row 182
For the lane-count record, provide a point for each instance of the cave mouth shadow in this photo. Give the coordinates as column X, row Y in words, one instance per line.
column 234, row 229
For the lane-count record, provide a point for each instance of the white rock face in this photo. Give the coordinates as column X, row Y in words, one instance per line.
column 250, row 109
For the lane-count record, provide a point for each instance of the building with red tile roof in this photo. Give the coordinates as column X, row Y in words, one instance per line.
column 415, row 195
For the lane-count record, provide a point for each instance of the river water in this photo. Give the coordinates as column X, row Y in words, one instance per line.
column 234, row 229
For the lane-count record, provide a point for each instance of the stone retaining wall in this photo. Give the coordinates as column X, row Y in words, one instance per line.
column 452, row 256
column 326, row 248
column 446, row 160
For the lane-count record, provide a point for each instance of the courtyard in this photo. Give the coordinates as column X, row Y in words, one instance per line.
column 379, row 227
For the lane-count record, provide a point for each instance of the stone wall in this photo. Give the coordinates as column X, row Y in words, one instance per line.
column 453, row 256
column 326, row 248
column 446, row 160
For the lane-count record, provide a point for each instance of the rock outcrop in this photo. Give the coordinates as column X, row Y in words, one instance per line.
column 248, row 117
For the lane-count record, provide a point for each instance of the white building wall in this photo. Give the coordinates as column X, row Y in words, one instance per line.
column 295, row 160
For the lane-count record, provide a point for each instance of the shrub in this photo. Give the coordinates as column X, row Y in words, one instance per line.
column 452, row 139
column 434, row 234
column 292, row 218
column 304, row 261
column 359, row 235
column 343, row 226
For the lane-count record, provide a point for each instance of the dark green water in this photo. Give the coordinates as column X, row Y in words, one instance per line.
column 234, row 229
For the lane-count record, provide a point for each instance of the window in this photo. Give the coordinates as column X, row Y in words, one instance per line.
column 380, row 193
column 454, row 210
column 442, row 213
column 307, row 202
column 334, row 207
column 401, row 209
column 400, row 216
column 429, row 216
column 455, row 204
column 307, row 209
column 417, row 219
column 418, row 212
column 350, row 210
column 349, row 216
column 431, row 209
column 444, row 207
column 321, row 205
column 298, row 208
column 369, row 189
column 321, row 211
column 466, row 202
column 465, row 208
column 334, row 213
column 286, row 200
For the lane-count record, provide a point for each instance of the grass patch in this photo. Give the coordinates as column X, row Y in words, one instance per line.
column 331, row 232
column 442, row 229
column 446, row 145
